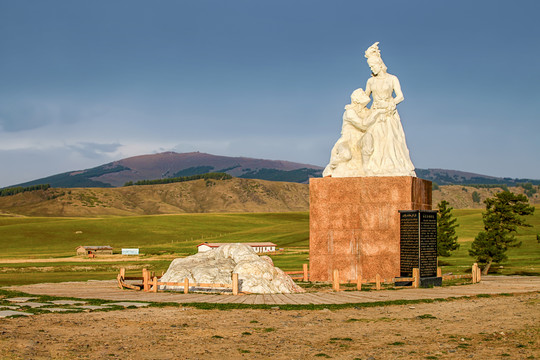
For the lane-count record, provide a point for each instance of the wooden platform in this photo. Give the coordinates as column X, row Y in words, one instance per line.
column 108, row 290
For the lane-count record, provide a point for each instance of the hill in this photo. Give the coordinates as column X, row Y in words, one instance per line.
column 455, row 177
column 463, row 197
column 198, row 196
column 209, row 196
column 171, row 164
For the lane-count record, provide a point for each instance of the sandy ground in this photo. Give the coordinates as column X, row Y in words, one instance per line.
column 482, row 328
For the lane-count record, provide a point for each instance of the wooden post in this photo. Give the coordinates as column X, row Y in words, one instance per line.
column 155, row 289
column 235, row 284
column 478, row 274
column 416, row 276
column 378, row 282
column 474, row 272
column 186, row 285
column 439, row 272
column 123, row 273
column 359, row 282
column 146, row 285
column 305, row 268
column 335, row 284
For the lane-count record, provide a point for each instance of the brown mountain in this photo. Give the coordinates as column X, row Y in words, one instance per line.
column 171, row 164
column 205, row 196
column 198, row 196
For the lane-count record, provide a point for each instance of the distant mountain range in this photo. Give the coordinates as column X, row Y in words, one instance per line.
column 171, row 164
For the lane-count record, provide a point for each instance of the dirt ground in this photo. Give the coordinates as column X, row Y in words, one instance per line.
column 481, row 328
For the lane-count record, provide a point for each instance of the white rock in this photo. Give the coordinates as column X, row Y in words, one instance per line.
column 255, row 274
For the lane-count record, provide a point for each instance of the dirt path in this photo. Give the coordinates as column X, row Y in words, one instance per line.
column 479, row 328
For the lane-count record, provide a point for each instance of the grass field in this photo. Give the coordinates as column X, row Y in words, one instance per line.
column 162, row 237
column 524, row 260
column 158, row 234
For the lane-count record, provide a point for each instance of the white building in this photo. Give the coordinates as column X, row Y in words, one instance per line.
column 259, row 247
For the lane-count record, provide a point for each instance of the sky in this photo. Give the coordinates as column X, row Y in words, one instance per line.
column 84, row 83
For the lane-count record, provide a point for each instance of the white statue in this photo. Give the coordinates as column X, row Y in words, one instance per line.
column 353, row 149
column 372, row 141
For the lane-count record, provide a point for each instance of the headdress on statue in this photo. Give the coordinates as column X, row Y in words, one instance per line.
column 374, row 54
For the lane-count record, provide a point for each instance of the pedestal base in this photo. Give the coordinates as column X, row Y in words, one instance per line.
column 354, row 224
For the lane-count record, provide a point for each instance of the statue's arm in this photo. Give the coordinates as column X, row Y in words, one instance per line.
column 397, row 90
column 368, row 87
column 352, row 118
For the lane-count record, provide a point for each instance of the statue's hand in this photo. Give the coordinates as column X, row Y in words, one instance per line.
column 389, row 105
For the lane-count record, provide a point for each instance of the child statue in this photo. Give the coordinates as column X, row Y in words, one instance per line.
column 350, row 155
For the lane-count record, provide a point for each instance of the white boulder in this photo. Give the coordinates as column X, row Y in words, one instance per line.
column 256, row 274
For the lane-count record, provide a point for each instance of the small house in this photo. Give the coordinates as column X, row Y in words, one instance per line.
column 259, row 247
column 86, row 250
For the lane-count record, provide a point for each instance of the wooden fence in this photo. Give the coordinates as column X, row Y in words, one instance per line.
column 304, row 274
column 378, row 281
column 475, row 276
column 151, row 283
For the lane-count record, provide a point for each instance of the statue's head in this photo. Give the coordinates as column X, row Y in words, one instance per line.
column 374, row 60
column 359, row 97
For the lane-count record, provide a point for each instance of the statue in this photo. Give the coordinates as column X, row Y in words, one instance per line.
column 353, row 149
column 372, row 141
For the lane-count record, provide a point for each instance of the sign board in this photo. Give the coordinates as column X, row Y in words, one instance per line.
column 418, row 242
column 130, row 251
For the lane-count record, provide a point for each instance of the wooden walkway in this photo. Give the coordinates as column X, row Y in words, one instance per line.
column 108, row 290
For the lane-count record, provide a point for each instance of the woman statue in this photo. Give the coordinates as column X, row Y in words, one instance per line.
column 390, row 155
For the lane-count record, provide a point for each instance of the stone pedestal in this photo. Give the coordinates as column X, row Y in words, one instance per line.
column 354, row 224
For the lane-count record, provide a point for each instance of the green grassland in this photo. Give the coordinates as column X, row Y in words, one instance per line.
column 159, row 238
column 524, row 260
column 156, row 234
column 163, row 237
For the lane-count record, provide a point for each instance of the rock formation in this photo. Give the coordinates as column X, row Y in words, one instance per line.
column 256, row 274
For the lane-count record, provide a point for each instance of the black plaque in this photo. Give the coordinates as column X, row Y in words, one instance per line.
column 409, row 241
column 428, row 244
column 418, row 245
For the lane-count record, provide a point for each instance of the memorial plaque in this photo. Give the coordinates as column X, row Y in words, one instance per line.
column 418, row 245
column 409, row 241
column 428, row 244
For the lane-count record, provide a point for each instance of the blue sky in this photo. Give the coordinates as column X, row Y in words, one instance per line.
column 83, row 83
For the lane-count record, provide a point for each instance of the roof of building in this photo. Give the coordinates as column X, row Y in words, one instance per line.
column 252, row 244
column 95, row 247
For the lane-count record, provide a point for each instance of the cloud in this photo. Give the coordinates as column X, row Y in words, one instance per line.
column 19, row 118
column 24, row 115
column 94, row 150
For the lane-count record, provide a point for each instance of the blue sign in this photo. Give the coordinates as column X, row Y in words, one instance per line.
column 130, row 251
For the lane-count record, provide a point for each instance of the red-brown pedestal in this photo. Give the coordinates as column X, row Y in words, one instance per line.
column 354, row 224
